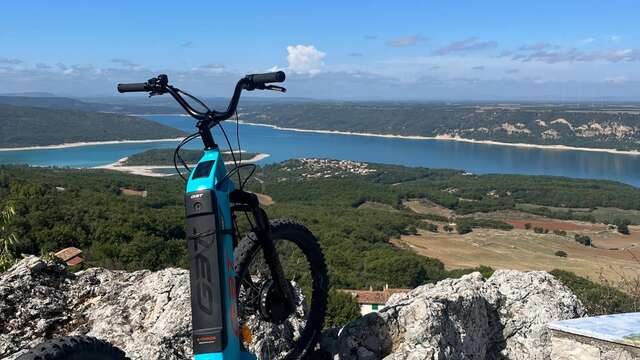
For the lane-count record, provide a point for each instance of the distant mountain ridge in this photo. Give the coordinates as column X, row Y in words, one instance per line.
column 33, row 126
column 65, row 103
column 131, row 104
column 608, row 126
column 30, row 94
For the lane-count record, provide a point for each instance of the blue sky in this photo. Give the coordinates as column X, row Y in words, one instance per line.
column 552, row 50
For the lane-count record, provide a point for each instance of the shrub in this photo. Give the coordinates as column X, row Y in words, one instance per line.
column 583, row 239
column 447, row 228
column 485, row 223
column 411, row 230
column 341, row 309
column 622, row 225
column 527, row 226
column 598, row 299
column 623, row 229
column 435, row 217
column 429, row 227
column 538, row 230
column 560, row 232
column 464, row 228
column 561, row 253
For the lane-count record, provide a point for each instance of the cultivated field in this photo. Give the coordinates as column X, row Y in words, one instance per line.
column 524, row 250
column 613, row 253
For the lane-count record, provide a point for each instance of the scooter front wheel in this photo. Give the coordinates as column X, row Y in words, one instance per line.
column 282, row 334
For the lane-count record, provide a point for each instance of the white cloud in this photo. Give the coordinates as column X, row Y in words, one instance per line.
column 588, row 40
column 305, row 59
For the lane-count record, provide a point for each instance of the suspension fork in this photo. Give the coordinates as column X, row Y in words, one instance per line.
column 247, row 201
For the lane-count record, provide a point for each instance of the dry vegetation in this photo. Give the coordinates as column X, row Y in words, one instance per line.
column 522, row 250
column 613, row 259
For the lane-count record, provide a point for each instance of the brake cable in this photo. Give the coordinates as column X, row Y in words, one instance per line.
column 176, row 155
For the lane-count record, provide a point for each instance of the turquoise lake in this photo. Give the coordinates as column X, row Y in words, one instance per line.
column 283, row 144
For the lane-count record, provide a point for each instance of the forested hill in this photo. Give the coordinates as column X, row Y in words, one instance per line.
column 29, row 126
column 65, row 103
column 603, row 126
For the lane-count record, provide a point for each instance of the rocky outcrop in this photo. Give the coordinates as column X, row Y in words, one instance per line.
column 147, row 314
column 504, row 317
column 144, row 313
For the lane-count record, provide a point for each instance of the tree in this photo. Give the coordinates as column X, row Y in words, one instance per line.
column 429, row 227
column 583, row 239
column 8, row 239
column 623, row 229
column 341, row 309
column 622, row 225
column 411, row 230
column 463, row 228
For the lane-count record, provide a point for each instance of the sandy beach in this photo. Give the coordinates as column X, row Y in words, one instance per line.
column 88, row 143
column 150, row 170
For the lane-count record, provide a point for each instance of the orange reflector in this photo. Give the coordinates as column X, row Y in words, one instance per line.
column 247, row 337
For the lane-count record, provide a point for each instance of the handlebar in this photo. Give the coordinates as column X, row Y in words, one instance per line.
column 265, row 78
column 135, row 87
column 159, row 85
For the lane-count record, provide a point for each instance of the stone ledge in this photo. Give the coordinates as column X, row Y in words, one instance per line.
column 605, row 337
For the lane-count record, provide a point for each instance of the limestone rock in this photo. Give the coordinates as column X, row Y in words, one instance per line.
column 147, row 314
column 503, row 317
column 525, row 303
column 443, row 321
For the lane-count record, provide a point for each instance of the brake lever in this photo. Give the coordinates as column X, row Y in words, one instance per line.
column 275, row 88
column 158, row 83
column 155, row 93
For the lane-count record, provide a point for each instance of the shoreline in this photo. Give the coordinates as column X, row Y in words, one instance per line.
column 87, row 143
column 337, row 132
column 450, row 138
column 148, row 170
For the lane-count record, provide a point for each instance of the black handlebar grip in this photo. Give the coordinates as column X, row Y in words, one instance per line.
column 272, row 77
column 134, row 87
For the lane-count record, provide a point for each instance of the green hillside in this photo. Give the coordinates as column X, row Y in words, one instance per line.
column 138, row 105
column 56, row 208
column 29, row 126
column 604, row 126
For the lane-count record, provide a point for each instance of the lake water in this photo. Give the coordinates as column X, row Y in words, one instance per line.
column 283, row 144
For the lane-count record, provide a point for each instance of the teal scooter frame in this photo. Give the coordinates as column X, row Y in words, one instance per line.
column 209, row 229
column 210, row 199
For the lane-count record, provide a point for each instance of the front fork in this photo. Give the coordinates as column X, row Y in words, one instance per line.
column 245, row 201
